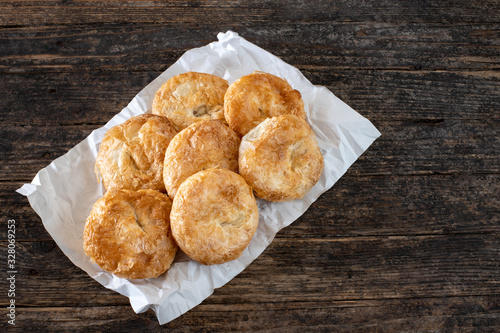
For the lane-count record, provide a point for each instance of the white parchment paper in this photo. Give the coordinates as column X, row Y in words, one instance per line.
column 64, row 192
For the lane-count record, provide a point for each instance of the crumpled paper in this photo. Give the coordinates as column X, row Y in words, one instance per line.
column 64, row 192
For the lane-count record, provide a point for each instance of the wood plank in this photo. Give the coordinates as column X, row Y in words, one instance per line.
column 94, row 98
column 356, row 206
column 466, row 314
column 443, row 146
column 396, row 205
column 298, row 270
column 372, row 268
column 17, row 13
column 65, row 99
column 432, row 146
column 415, row 95
column 339, row 45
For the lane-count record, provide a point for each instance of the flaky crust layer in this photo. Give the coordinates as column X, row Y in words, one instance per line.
column 202, row 145
column 131, row 154
column 128, row 234
column 214, row 216
column 253, row 98
column 190, row 97
column 280, row 158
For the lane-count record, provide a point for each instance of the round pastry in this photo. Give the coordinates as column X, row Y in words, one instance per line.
column 280, row 158
column 190, row 97
column 203, row 145
column 255, row 97
column 128, row 233
column 214, row 216
column 131, row 154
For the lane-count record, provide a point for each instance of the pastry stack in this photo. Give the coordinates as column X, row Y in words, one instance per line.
column 187, row 175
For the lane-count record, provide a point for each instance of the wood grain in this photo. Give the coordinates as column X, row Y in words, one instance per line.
column 344, row 268
column 411, row 205
column 444, row 147
column 254, row 11
column 467, row 314
column 409, row 273
column 407, row 240
column 331, row 44
column 93, row 98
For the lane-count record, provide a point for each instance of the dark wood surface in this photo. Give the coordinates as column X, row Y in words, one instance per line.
column 407, row 240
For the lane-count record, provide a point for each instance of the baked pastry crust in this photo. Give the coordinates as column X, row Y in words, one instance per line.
column 202, row 145
column 190, row 97
column 128, row 234
column 131, row 154
column 253, row 98
column 214, row 216
column 280, row 158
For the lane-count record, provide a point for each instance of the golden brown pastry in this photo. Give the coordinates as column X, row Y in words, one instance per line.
column 190, row 97
column 255, row 97
column 214, row 216
column 280, row 158
column 128, row 234
column 203, row 145
column 131, row 154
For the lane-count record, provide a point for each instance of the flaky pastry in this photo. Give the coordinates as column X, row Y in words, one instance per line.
column 280, row 158
column 253, row 98
column 128, row 233
column 190, row 97
column 202, row 145
column 214, row 216
column 131, row 154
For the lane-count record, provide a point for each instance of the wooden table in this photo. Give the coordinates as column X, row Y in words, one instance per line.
column 407, row 240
